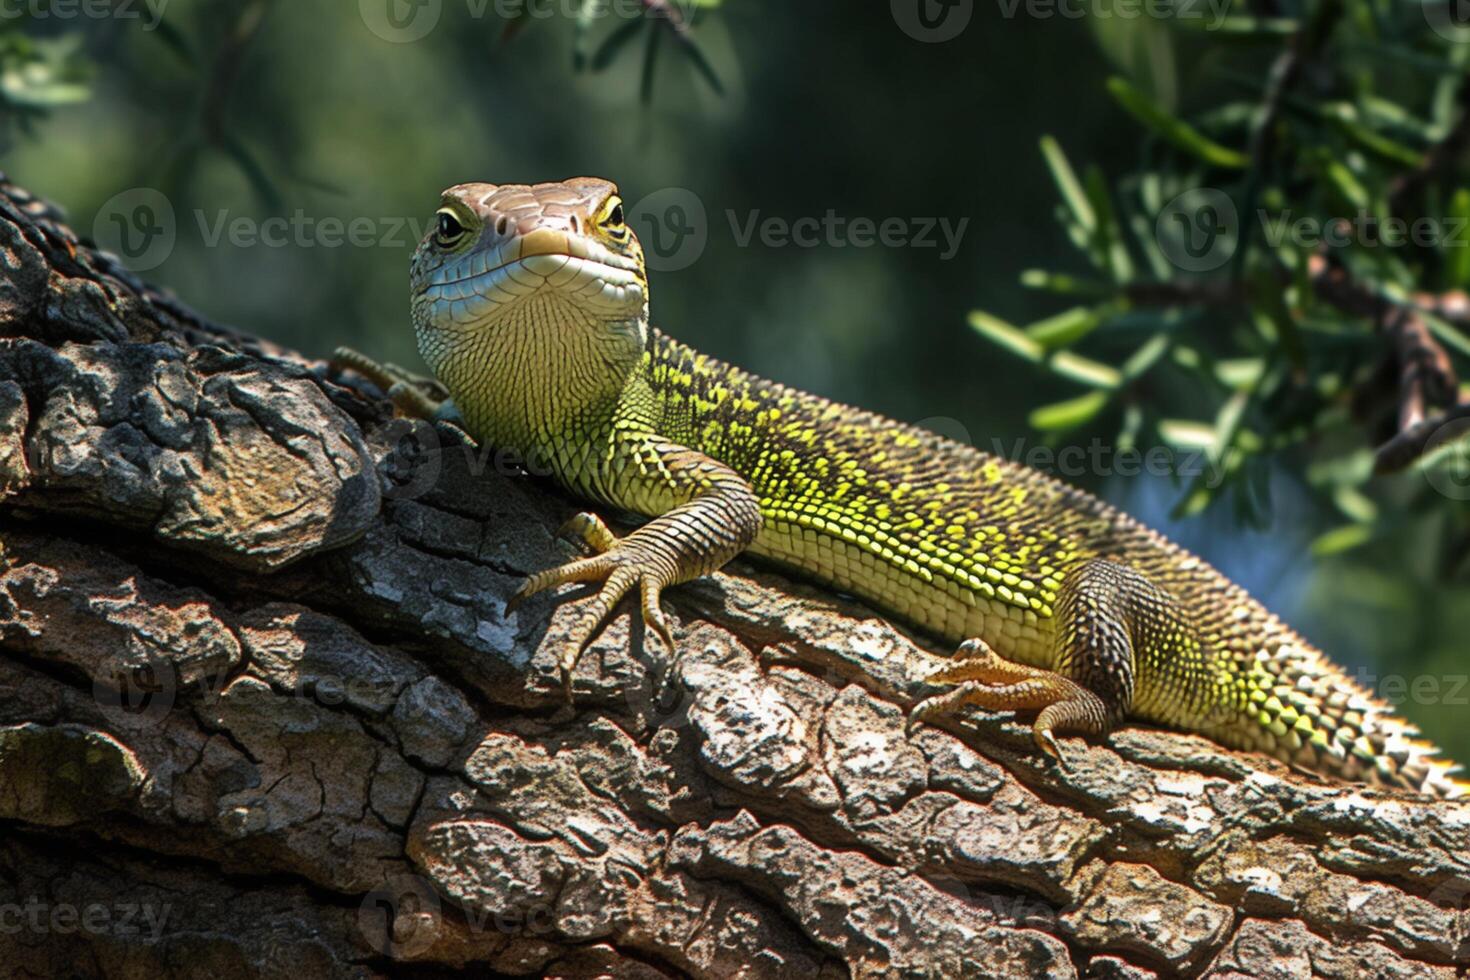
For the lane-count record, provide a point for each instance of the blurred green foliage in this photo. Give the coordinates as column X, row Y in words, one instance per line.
column 1097, row 158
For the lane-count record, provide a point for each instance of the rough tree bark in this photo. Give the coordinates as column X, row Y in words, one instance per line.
column 262, row 713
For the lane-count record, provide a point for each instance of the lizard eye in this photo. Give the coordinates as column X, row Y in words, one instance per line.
column 449, row 230
column 612, row 220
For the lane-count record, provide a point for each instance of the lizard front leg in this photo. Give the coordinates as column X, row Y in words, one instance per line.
column 412, row 394
column 715, row 517
column 1108, row 616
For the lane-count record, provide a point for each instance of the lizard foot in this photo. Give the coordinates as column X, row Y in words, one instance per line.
column 640, row 559
column 412, row 394
column 987, row 680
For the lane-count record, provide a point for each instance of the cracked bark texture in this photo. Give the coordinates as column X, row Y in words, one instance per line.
column 263, row 714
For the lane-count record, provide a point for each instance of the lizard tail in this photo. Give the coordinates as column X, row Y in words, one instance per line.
column 1311, row 715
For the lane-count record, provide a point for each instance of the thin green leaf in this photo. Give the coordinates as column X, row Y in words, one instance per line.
column 616, row 41
column 1355, row 504
column 1457, row 250
column 1175, row 130
column 1385, row 147
column 582, row 34
column 1447, row 333
column 1112, row 253
column 1145, row 357
column 1227, row 421
column 263, row 186
column 1068, row 414
column 702, row 65
column 1071, row 190
column 1240, row 372
column 1095, row 374
column 38, row 94
column 1060, row 282
column 1274, row 318
column 174, row 40
column 1340, row 539
column 1347, row 185
column 1270, row 28
column 650, row 58
column 1187, row 433
column 1065, row 328
column 1000, row 332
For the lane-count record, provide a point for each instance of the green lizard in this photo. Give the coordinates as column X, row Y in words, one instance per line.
column 530, row 305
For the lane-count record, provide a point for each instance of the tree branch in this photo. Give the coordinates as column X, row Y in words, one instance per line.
column 263, row 713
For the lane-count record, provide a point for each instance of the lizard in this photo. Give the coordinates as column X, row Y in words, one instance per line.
column 530, row 305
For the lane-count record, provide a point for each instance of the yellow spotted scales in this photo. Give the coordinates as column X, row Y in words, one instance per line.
column 531, row 307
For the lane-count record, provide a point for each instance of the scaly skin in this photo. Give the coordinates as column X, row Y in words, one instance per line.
column 531, row 307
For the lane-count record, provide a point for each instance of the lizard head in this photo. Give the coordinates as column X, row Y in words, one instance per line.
column 512, row 275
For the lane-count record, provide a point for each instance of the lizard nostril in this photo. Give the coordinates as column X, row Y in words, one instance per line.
column 502, row 226
column 576, row 225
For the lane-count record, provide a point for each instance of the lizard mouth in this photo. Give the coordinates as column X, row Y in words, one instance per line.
column 544, row 264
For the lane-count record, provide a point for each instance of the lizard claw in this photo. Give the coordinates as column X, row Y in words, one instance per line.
column 939, row 704
column 621, row 565
column 653, row 614
column 412, row 395
column 987, row 680
column 1048, row 744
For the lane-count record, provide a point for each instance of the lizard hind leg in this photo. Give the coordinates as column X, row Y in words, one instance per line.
column 1101, row 606
column 984, row 679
